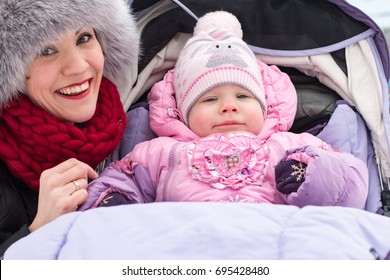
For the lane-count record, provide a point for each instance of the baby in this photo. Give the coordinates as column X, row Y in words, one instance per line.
column 222, row 117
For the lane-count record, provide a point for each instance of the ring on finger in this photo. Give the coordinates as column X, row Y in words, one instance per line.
column 77, row 184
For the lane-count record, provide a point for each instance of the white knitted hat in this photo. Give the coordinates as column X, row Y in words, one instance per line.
column 215, row 55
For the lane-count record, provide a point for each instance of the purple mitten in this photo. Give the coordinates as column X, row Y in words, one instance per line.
column 113, row 199
column 325, row 177
column 289, row 175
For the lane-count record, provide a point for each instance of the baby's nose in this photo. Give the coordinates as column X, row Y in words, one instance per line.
column 229, row 107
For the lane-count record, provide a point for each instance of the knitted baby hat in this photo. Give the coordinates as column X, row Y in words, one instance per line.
column 215, row 55
column 26, row 26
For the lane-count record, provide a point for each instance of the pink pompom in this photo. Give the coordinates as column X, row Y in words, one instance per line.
column 218, row 20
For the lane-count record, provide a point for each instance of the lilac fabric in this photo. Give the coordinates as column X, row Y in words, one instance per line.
column 195, row 230
column 137, row 188
column 346, row 131
column 137, row 130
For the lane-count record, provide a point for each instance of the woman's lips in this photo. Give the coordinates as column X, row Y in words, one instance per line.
column 75, row 89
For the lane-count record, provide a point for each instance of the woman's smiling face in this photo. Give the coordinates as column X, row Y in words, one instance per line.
column 64, row 79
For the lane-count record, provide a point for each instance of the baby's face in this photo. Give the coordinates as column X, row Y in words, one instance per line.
column 225, row 109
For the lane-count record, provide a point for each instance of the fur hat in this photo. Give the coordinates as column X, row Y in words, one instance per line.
column 215, row 55
column 26, row 26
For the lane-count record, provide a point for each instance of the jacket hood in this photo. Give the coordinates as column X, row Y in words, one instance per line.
column 26, row 26
column 281, row 101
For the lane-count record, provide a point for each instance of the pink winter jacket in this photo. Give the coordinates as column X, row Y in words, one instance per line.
column 180, row 166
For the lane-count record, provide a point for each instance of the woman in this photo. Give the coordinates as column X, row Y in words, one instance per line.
column 64, row 65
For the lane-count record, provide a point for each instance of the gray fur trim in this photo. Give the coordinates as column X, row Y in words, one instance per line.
column 26, row 26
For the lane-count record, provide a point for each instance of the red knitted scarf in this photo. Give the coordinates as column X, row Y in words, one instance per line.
column 32, row 140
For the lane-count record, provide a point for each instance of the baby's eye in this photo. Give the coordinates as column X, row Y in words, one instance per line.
column 209, row 99
column 242, row 95
column 84, row 38
column 47, row 51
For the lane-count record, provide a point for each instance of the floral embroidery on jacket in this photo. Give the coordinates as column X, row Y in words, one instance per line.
column 233, row 160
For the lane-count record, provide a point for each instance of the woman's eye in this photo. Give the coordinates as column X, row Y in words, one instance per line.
column 84, row 38
column 46, row 52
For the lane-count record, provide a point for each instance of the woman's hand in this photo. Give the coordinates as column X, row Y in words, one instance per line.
column 62, row 189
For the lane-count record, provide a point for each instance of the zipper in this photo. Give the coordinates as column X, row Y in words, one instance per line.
column 171, row 168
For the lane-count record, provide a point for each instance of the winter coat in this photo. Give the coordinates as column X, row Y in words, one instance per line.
column 18, row 206
column 180, row 166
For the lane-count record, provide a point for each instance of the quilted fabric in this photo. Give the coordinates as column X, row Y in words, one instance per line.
column 195, row 230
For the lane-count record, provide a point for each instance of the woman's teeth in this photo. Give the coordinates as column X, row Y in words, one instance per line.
column 74, row 90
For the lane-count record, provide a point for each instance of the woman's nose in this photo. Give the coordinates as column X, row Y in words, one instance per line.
column 74, row 63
